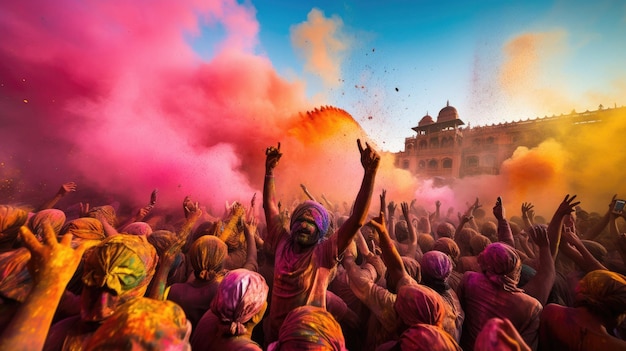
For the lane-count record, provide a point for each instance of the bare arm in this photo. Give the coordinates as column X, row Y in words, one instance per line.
column 52, row 265
column 249, row 230
column 270, row 205
column 505, row 234
column 370, row 161
column 413, row 248
column 554, row 228
column 64, row 190
column 391, row 256
column 541, row 283
column 307, row 193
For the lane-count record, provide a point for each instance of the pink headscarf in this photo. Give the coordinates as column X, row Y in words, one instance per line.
column 502, row 265
column 240, row 296
column 499, row 335
column 417, row 304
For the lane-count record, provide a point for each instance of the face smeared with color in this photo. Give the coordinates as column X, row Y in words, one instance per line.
column 304, row 230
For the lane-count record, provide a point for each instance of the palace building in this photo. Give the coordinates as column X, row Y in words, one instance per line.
column 445, row 149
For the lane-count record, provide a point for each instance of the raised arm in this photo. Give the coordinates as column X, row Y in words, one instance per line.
column 308, row 194
column 249, row 230
column 391, row 256
column 52, row 265
column 554, row 228
column 370, row 161
column 64, row 190
column 541, row 283
column 270, row 205
column 505, row 234
column 528, row 214
column 414, row 250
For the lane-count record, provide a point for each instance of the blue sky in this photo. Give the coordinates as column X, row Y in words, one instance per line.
column 494, row 61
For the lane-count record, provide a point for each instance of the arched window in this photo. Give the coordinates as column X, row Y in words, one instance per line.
column 446, row 163
column 490, row 140
column 423, row 144
column 422, row 164
column 405, row 164
column 472, row 161
column 434, row 142
column 432, row 164
column 409, row 146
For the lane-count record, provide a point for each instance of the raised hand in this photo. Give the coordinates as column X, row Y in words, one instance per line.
column 66, row 188
column 272, row 156
column 539, row 235
column 51, row 261
column 498, row 209
column 369, row 157
column 567, row 206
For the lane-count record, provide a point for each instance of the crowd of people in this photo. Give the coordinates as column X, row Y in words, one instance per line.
column 313, row 276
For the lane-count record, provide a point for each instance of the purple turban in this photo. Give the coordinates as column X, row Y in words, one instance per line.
column 315, row 210
column 502, row 265
column 240, row 296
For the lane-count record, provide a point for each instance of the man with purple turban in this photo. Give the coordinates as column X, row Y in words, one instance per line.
column 236, row 309
column 494, row 293
column 307, row 254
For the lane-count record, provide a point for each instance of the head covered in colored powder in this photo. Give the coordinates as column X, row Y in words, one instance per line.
column 56, row 219
column 138, row 228
column 436, row 268
column 144, row 324
column 206, row 256
column 449, row 247
column 84, row 230
column 426, row 337
column 417, row 304
column 242, row 295
column 118, row 269
column 11, row 219
column 502, row 265
column 499, row 335
column 309, row 328
column 316, row 211
column 602, row 292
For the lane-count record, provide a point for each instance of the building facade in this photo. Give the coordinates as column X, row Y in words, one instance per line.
column 444, row 148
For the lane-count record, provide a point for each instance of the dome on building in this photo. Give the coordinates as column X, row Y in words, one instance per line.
column 447, row 113
column 426, row 120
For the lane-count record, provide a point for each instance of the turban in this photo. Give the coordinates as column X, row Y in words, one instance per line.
column 84, row 229
column 15, row 280
column 412, row 267
column 499, row 335
column 417, row 304
column 436, row 267
column 502, row 265
column 426, row 242
column 315, row 210
column 138, row 228
column 11, row 219
column 427, row 338
column 162, row 240
column 123, row 263
column 240, row 296
column 464, row 238
column 309, row 328
column 144, row 324
column 206, row 256
column 478, row 243
column 54, row 217
column 449, row 247
column 107, row 211
column 603, row 292
column 445, row 230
